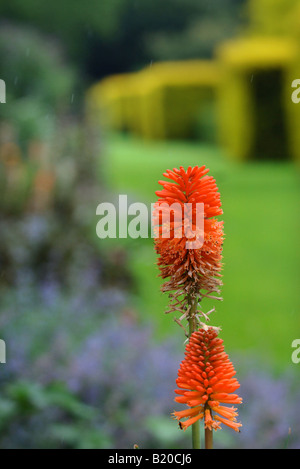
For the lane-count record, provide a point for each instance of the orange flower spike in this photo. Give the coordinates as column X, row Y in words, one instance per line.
column 188, row 270
column 210, row 386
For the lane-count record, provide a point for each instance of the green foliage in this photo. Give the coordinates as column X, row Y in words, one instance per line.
column 115, row 36
column 71, row 425
column 32, row 118
column 215, row 22
column 39, row 83
column 29, row 396
column 32, row 66
column 163, row 429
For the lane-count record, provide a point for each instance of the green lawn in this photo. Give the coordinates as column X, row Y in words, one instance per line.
column 260, row 307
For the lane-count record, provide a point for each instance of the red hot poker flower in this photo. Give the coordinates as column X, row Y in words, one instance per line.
column 182, row 265
column 205, row 382
column 189, row 270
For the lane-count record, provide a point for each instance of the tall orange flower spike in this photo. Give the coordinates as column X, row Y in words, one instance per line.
column 205, row 382
column 188, row 270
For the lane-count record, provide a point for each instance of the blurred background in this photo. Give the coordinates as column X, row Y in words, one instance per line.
column 101, row 98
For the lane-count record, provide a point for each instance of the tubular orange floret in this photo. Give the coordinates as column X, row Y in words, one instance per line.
column 206, row 390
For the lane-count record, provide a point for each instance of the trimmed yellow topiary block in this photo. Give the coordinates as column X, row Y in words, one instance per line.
column 254, row 101
column 174, row 95
column 271, row 17
column 108, row 101
column 162, row 101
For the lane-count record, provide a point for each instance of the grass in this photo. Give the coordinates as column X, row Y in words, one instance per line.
column 260, row 311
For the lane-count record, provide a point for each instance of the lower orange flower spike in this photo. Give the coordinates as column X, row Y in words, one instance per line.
column 205, row 381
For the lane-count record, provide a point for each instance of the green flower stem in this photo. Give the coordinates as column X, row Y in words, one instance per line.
column 192, row 328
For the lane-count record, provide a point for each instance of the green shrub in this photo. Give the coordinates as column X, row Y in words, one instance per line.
column 39, row 83
column 32, row 65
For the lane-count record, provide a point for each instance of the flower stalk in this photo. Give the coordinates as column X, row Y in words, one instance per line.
column 205, row 377
column 192, row 328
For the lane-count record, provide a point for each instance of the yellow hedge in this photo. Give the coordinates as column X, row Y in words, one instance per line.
column 165, row 100
column 293, row 109
column 242, row 118
column 271, row 17
column 108, row 101
column 174, row 95
column 160, row 101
